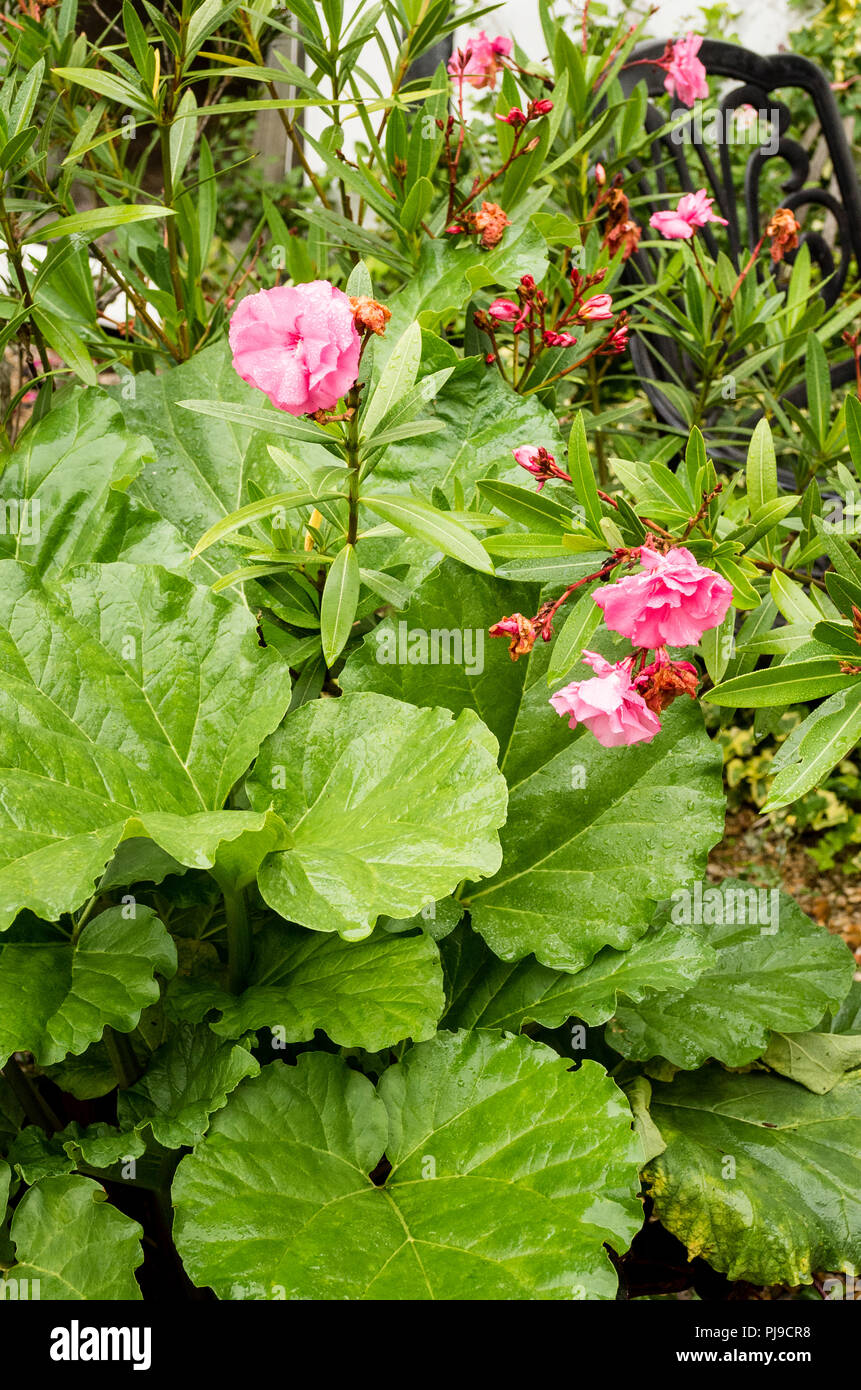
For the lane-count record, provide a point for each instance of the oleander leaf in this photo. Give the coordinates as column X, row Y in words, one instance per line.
column 79, row 1247
column 774, row 970
column 131, row 701
column 387, row 806
column 497, row 1152
column 57, row 997
column 759, row 1176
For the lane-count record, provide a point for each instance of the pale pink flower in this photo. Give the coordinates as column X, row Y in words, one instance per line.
column 298, row 344
column 670, row 604
column 600, row 306
column 607, row 704
column 478, row 61
column 686, row 77
column 692, row 211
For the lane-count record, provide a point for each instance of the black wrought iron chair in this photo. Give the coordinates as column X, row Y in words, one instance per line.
column 697, row 165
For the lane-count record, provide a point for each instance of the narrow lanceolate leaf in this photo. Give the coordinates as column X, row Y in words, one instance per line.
column 387, row 807
column 131, row 701
column 396, row 378
column 582, row 476
column 816, row 746
column 537, row 512
column 260, row 510
column 340, row 600
column 773, row 969
column 74, row 1243
column 370, row 994
column 188, row 1079
column 582, row 620
column 57, row 997
column 428, row 524
column 786, row 684
column 256, row 418
column 853, row 429
column 761, row 468
column 497, row 1152
column 97, row 221
column 485, row 992
column 788, row 1203
column 819, row 391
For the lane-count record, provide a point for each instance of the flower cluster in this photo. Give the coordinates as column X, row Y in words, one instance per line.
column 670, row 603
column 530, row 314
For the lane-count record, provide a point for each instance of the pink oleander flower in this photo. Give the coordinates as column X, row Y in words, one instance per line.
column 692, row 211
column 600, row 306
column 543, row 107
column 298, row 344
column 553, row 339
column 477, row 62
column 503, row 309
column 686, row 77
column 608, row 704
column 670, row 604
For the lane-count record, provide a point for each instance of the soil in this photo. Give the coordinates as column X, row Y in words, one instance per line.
column 755, row 851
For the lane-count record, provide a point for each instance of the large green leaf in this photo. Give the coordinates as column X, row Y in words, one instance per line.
column 815, row 1060
column 77, row 1246
column 388, row 808
column 595, row 836
column 470, row 670
column 447, row 276
column 131, row 701
column 484, row 421
column 188, row 1079
column 760, row 1176
column 508, row 1174
column 202, row 465
column 774, row 969
column 57, row 997
column 484, row 992
column 65, row 492
column 371, row 993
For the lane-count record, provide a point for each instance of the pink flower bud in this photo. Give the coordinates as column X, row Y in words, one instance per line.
column 600, row 306
column 552, row 339
column 600, row 175
column 515, row 117
column 503, row 309
column 542, row 107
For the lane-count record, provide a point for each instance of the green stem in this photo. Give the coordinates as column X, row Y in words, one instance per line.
column 351, row 449
column 238, row 939
column 14, row 252
column 37, row 1110
column 126, row 1067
